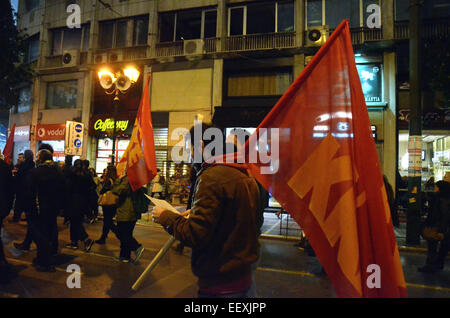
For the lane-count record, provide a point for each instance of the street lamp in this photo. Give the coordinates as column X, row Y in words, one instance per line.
column 121, row 82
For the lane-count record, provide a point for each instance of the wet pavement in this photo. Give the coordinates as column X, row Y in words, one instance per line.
column 284, row 270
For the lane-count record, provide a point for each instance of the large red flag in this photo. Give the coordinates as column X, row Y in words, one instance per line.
column 327, row 175
column 7, row 151
column 139, row 158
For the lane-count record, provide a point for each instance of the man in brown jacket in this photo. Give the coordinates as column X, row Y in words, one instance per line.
column 222, row 228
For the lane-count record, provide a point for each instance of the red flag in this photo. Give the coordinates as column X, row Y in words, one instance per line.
column 7, row 151
column 139, row 158
column 327, row 174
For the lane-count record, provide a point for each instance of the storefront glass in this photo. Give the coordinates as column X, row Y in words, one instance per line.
column 435, row 155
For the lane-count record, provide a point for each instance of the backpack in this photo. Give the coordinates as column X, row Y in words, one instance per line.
column 140, row 201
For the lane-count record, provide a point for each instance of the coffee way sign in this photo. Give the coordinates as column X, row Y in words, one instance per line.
column 108, row 124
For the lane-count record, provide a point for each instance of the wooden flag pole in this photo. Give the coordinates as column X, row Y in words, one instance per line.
column 153, row 263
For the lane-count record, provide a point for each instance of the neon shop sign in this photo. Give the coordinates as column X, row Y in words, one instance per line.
column 108, row 124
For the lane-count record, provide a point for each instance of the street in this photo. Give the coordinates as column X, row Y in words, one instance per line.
column 284, row 270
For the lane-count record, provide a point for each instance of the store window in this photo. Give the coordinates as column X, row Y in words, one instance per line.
column 370, row 76
column 187, row 25
column 261, row 17
column 24, row 103
column 70, row 39
column 269, row 83
column 62, row 94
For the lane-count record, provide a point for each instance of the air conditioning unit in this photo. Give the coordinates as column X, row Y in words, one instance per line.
column 115, row 56
column 100, row 58
column 194, row 47
column 317, row 36
column 70, row 58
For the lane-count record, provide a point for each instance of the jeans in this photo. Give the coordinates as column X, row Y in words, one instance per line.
column 249, row 293
column 127, row 242
column 77, row 231
column 42, row 232
column 108, row 223
column 437, row 252
column 2, row 252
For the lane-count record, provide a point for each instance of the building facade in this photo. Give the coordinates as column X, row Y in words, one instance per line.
column 225, row 61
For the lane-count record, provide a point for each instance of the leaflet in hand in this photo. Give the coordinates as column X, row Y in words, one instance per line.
column 163, row 204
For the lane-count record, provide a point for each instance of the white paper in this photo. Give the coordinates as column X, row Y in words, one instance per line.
column 163, row 204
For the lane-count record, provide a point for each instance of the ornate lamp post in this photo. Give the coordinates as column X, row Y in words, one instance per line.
column 113, row 84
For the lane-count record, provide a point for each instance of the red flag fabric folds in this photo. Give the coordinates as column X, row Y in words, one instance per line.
column 327, row 174
column 7, row 151
column 139, row 160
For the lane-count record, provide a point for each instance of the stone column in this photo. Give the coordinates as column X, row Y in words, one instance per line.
column 221, row 24
column 299, row 20
column 389, row 119
column 387, row 19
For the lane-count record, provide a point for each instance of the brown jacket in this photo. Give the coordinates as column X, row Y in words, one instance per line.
column 223, row 226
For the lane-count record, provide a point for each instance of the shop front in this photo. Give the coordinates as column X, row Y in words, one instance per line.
column 21, row 141
column 54, row 135
column 101, row 130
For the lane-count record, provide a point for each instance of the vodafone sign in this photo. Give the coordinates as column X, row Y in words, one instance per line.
column 50, row 132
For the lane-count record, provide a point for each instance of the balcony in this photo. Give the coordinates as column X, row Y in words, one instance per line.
column 430, row 29
column 55, row 61
column 254, row 42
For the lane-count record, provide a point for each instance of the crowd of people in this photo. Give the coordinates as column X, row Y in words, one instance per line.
column 221, row 225
column 43, row 189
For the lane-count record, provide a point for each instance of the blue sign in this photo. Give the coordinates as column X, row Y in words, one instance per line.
column 78, row 128
column 77, row 143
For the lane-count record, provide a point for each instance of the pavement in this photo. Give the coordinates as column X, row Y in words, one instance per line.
column 284, row 270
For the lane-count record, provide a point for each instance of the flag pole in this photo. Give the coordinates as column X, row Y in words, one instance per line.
column 153, row 263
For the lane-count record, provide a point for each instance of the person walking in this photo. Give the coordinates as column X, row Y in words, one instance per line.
column 24, row 196
column 47, row 199
column 6, row 201
column 223, row 225
column 18, row 208
column 126, row 218
column 108, row 211
column 438, row 218
column 80, row 185
column 157, row 187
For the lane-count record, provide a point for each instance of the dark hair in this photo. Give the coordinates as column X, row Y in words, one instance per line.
column 44, row 155
column 20, row 154
column 28, row 154
column 111, row 172
column 46, row 147
column 196, row 140
column 444, row 188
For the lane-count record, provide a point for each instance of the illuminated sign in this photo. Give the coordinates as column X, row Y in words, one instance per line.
column 108, row 124
column 370, row 77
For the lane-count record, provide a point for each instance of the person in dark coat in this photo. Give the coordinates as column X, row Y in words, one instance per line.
column 18, row 209
column 6, row 200
column 108, row 211
column 392, row 202
column 438, row 217
column 222, row 228
column 48, row 196
column 80, row 185
column 126, row 217
column 23, row 195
